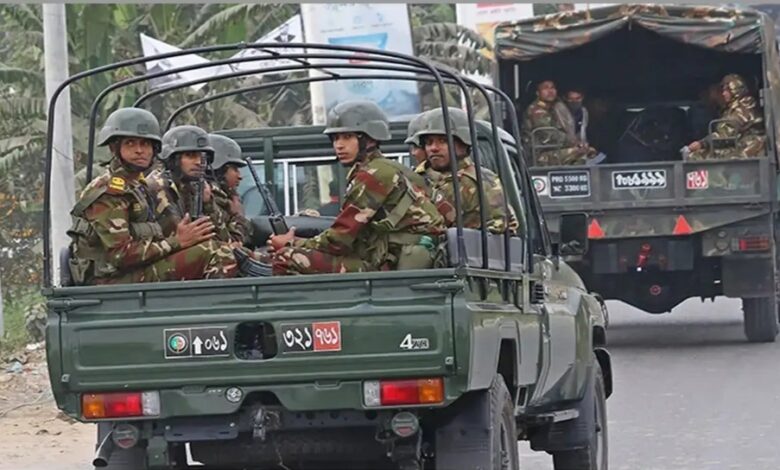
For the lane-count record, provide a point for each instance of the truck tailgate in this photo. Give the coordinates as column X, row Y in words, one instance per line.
column 323, row 327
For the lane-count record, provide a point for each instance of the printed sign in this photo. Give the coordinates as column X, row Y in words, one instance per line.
column 697, row 179
column 383, row 26
column 541, row 185
column 569, row 184
column 211, row 341
column 645, row 179
column 311, row 337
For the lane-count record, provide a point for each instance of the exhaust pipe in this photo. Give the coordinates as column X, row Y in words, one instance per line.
column 104, row 451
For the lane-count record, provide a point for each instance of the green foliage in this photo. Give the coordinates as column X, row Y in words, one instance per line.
column 15, row 303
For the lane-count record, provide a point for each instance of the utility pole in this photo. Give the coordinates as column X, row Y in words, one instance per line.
column 55, row 47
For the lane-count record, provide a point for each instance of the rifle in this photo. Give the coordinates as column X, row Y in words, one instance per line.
column 275, row 216
column 197, row 202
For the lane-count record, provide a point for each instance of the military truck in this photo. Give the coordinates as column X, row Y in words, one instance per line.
column 662, row 228
column 442, row 368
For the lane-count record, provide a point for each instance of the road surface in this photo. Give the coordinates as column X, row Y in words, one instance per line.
column 690, row 393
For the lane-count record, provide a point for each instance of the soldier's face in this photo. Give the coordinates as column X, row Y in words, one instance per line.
column 726, row 94
column 232, row 176
column 546, row 91
column 192, row 164
column 136, row 151
column 418, row 153
column 438, row 151
column 346, row 146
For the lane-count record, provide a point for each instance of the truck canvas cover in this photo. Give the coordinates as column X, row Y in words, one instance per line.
column 740, row 30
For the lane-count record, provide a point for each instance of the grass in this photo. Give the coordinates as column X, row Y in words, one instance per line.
column 15, row 303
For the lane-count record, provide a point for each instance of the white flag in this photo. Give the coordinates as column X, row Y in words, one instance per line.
column 153, row 46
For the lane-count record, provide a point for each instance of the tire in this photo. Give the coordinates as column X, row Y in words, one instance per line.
column 595, row 455
column 121, row 459
column 761, row 321
column 497, row 431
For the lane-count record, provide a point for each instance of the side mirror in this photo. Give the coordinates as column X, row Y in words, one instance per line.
column 573, row 234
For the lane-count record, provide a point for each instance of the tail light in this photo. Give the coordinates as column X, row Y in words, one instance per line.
column 427, row 391
column 753, row 243
column 120, row 405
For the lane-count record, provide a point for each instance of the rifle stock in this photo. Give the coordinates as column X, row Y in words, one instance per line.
column 275, row 216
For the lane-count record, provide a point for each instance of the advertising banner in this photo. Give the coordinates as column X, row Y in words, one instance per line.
column 382, row 26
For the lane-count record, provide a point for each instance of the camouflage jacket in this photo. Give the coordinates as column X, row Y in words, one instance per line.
column 173, row 199
column 381, row 205
column 540, row 114
column 430, row 176
column 444, row 198
column 238, row 226
column 115, row 226
column 743, row 118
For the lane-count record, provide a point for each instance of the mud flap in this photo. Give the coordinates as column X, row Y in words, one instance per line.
column 462, row 436
column 574, row 433
column 748, row 277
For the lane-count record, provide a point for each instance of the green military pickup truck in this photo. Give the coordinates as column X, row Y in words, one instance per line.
column 662, row 228
column 441, row 368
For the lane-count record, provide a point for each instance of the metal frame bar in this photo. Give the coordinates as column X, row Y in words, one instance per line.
column 369, row 54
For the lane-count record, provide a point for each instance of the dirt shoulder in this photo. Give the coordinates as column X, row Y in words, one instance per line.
column 35, row 435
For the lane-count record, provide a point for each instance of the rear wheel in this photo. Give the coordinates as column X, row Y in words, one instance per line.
column 760, row 316
column 595, row 455
column 482, row 435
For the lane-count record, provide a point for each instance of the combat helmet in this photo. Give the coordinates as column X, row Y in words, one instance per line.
column 186, row 139
column 130, row 122
column 358, row 116
column 226, row 150
column 735, row 84
column 433, row 123
column 414, row 126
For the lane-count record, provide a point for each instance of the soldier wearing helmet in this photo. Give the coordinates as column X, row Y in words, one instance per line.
column 116, row 237
column 417, row 150
column 433, row 135
column 186, row 154
column 740, row 133
column 386, row 220
column 227, row 177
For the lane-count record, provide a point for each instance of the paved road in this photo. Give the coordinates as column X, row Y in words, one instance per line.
column 690, row 393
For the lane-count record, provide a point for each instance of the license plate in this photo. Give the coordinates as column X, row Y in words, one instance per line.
column 311, row 337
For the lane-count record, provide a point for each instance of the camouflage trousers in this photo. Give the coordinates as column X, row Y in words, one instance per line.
column 208, row 260
column 748, row 146
column 307, row 261
column 563, row 156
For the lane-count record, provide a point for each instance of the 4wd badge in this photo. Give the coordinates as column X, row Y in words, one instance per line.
column 645, row 179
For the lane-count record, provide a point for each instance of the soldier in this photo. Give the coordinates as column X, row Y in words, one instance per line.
column 434, row 137
column 227, row 161
column 386, row 221
column 542, row 114
column 186, row 152
column 742, row 131
column 115, row 236
column 417, row 151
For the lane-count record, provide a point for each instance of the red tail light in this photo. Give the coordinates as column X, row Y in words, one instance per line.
column 403, row 392
column 756, row 243
column 120, row 405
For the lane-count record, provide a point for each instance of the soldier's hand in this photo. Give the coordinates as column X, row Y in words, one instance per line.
column 277, row 242
column 190, row 233
column 207, row 193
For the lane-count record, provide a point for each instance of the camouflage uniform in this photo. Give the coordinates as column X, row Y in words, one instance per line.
column 430, row 176
column 540, row 114
column 444, row 190
column 228, row 152
column 115, row 236
column 744, row 128
column 444, row 198
column 173, row 195
column 385, row 217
